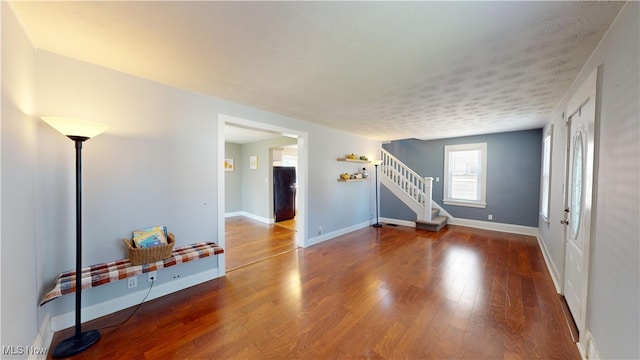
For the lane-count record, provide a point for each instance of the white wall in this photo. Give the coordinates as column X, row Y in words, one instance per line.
column 18, row 152
column 157, row 164
column 613, row 315
column 154, row 166
column 348, row 203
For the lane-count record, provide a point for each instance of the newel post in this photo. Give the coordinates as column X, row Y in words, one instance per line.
column 428, row 184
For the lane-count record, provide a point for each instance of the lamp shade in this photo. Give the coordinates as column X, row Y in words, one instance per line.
column 75, row 127
column 376, row 162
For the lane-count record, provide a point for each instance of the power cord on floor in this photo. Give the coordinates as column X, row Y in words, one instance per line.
column 153, row 280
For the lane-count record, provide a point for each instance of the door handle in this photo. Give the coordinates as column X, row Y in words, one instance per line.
column 564, row 222
column 566, row 210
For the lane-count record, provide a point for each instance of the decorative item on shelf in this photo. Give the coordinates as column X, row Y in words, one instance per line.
column 351, row 156
column 344, row 176
column 79, row 131
column 365, row 173
column 363, row 158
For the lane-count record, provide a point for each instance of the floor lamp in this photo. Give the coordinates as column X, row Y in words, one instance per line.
column 78, row 131
column 376, row 163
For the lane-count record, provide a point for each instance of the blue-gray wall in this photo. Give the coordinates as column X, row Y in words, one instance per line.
column 513, row 176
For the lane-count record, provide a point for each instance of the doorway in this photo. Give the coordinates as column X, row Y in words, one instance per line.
column 301, row 188
column 285, row 184
column 579, row 198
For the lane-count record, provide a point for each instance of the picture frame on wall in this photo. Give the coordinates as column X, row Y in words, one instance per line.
column 228, row 164
column 253, row 162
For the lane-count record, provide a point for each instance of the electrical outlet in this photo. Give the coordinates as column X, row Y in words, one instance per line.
column 319, row 230
column 151, row 276
column 132, row 282
column 490, row 217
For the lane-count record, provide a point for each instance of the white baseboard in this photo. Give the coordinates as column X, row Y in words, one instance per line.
column 490, row 225
column 591, row 352
column 233, row 214
column 321, row 238
column 250, row 216
column 551, row 267
column 66, row 320
column 43, row 339
column 486, row 225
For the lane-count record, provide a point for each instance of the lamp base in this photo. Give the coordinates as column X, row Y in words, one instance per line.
column 73, row 346
column 377, row 225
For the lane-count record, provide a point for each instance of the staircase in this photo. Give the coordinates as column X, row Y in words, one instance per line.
column 437, row 221
column 413, row 190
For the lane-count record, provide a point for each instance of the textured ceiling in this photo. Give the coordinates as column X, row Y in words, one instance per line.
column 385, row 70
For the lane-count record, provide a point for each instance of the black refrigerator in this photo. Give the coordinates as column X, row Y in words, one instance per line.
column 284, row 192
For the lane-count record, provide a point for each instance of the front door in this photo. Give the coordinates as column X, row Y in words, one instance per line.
column 582, row 111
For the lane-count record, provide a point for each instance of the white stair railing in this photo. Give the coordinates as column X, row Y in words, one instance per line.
column 418, row 190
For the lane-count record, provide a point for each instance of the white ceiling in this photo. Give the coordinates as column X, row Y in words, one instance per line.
column 385, row 70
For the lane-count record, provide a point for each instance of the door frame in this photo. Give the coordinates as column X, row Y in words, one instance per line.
column 303, row 152
column 589, row 89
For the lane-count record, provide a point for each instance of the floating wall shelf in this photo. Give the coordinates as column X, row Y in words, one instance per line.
column 354, row 160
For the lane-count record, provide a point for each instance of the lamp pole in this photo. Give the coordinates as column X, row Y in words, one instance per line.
column 79, row 131
column 80, row 341
column 377, row 224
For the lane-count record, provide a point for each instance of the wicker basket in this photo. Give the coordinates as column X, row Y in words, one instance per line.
column 149, row 255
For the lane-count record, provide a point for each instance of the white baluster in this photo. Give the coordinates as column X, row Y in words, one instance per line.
column 428, row 182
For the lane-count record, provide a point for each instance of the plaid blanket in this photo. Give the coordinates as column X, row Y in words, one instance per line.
column 99, row 274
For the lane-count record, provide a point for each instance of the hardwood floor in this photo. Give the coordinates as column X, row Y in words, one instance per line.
column 387, row 293
column 289, row 224
column 248, row 241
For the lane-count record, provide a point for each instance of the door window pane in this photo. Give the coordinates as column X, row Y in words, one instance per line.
column 576, row 185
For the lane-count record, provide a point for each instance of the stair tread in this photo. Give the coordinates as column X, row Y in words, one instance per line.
column 435, row 224
column 434, row 221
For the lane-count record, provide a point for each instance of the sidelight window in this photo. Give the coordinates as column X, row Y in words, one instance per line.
column 546, row 175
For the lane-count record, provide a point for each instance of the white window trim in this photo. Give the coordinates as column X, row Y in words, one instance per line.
column 482, row 202
column 549, row 134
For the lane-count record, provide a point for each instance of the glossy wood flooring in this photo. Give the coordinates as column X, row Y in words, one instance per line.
column 289, row 224
column 387, row 293
column 248, row 241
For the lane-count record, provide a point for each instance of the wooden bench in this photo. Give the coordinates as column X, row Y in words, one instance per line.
column 105, row 273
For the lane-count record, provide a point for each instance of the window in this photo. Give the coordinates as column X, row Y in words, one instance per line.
column 546, row 175
column 465, row 175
